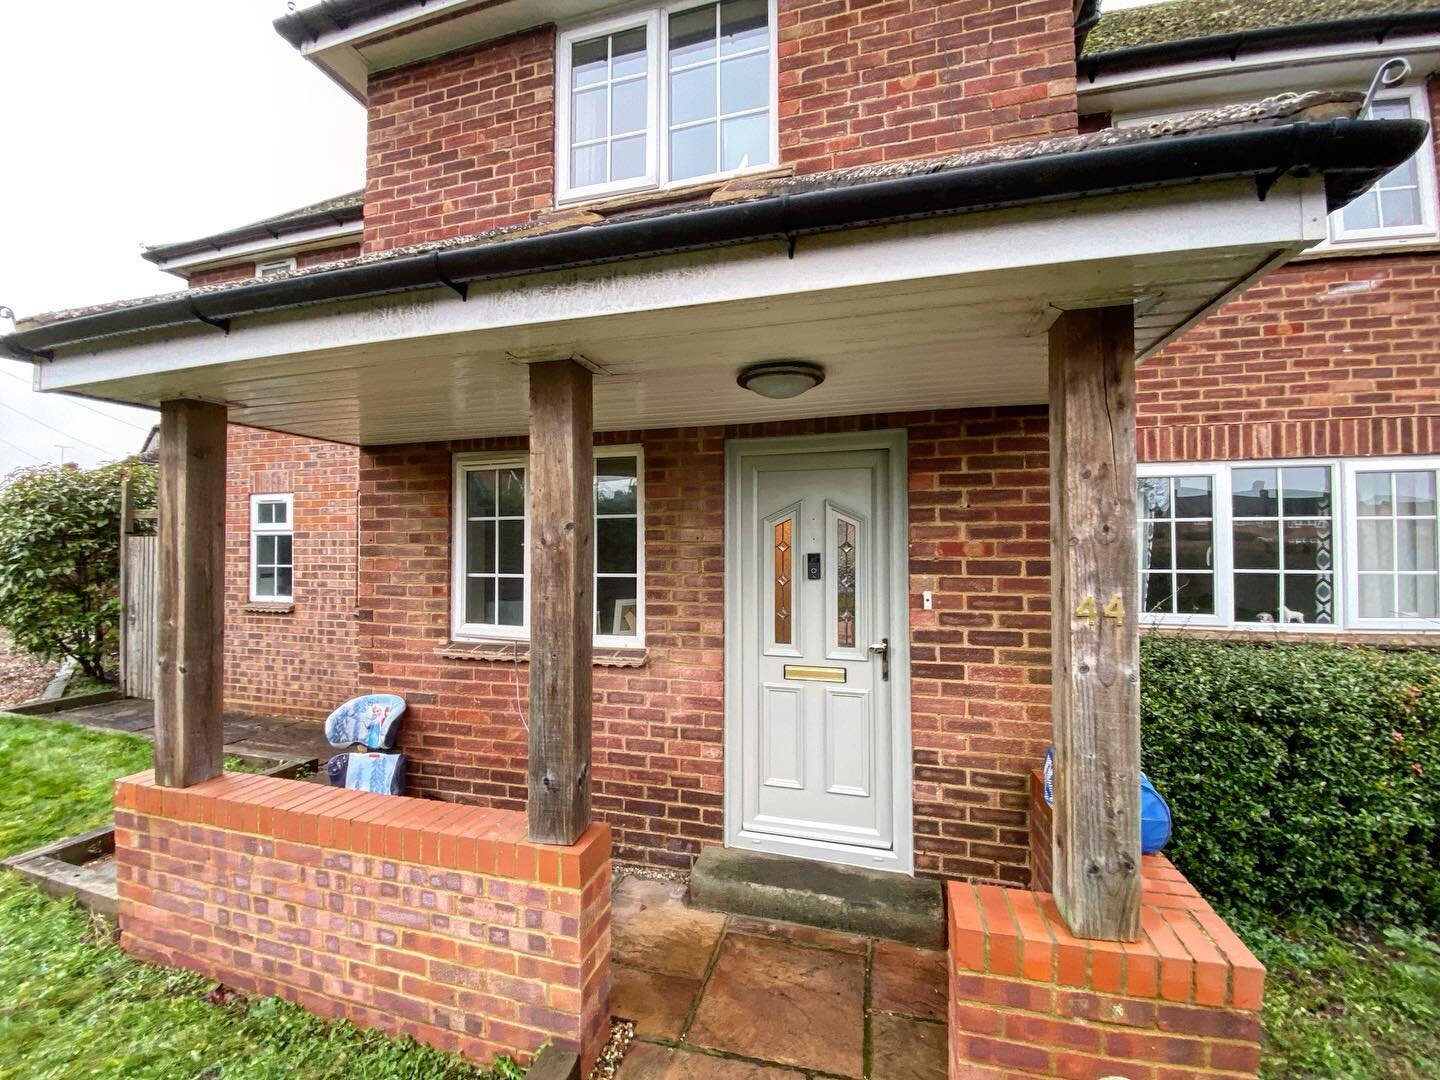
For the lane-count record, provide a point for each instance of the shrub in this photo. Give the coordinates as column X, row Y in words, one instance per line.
column 60, row 558
column 1305, row 779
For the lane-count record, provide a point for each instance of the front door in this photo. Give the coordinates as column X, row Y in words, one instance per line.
column 814, row 641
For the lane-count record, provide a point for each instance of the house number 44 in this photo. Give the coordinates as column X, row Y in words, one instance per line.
column 1113, row 609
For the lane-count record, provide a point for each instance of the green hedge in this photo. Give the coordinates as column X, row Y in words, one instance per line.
column 1304, row 779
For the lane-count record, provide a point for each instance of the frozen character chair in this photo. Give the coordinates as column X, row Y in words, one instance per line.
column 368, row 726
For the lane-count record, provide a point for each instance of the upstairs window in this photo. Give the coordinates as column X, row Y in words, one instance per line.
column 272, row 538
column 274, row 266
column 1401, row 204
column 667, row 96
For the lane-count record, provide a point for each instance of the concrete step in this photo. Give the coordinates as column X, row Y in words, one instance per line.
column 845, row 898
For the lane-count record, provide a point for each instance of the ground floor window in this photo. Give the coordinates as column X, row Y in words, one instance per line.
column 272, row 538
column 1341, row 543
column 491, row 566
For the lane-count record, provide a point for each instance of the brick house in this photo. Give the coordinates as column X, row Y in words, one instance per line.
column 849, row 296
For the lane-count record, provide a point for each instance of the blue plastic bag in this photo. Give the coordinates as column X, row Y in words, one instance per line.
column 1156, row 822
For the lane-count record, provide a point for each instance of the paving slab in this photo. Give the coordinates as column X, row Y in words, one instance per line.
column 798, row 933
column 658, row 1004
column 654, row 929
column 906, row 1049
column 790, row 1004
column 904, row 979
column 644, row 1061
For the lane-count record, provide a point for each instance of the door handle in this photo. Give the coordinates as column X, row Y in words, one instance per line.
column 882, row 648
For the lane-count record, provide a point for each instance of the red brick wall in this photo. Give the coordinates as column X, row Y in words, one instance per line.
column 419, row 919
column 244, row 271
column 465, row 142
column 1333, row 357
column 462, row 143
column 886, row 80
column 979, row 527
column 300, row 662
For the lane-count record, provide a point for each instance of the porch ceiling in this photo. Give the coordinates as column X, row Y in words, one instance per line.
column 939, row 313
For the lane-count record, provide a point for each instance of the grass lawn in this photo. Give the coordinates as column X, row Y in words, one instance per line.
column 72, row 1004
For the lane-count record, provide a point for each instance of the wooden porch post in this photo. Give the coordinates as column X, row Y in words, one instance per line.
column 1096, row 683
column 189, row 663
column 562, row 589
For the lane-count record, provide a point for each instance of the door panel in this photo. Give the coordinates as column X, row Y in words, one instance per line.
column 816, row 740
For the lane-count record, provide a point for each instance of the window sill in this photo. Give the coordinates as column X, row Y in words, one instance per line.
column 645, row 198
column 269, row 607
column 1354, row 249
column 518, row 652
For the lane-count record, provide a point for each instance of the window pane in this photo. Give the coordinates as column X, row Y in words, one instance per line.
column 1193, row 543
column 510, row 610
column 1376, row 596
column 1374, row 541
column 627, row 158
column 587, row 115
column 1309, row 545
column 1159, row 549
column 1363, row 213
column 480, row 600
column 1400, row 207
column 1415, row 544
column 615, row 485
column 480, row 547
column 615, row 607
column 265, row 581
column 746, row 142
column 480, row 493
column 1255, row 493
column 1309, row 598
column 511, row 542
column 512, row 492
column 1195, row 594
column 1417, row 597
column 587, row 166
column 1415, row 493
column 1154, row 496
column 692, row 152
column 282, row 549
column 1158, row 593
column 265, row 549
column 692, row 36
column 692, row 95
column 627, row 107
column 1257, row 545
column 615, row 546
column 1307, row 491
column 743, row 25
column 282, row 581
column 588, row 62
column 1193, row 498
column 627, row 51
column 1257, row 598
column 744, row 83
column 1372, row 493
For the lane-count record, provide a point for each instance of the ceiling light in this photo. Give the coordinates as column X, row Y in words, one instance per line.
column 781, row 378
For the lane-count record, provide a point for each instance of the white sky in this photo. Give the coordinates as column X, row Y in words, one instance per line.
column 143, row 122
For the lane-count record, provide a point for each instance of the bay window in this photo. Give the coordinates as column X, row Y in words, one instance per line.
column 666, row 95
column 491, row 587
column 1339, row 544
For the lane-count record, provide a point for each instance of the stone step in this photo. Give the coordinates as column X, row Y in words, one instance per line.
column 845, row 898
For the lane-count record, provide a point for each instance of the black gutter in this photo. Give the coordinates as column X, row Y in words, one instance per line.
column 308, row 23
column 1230, row 46
column 275, row 229
column 1350, row 154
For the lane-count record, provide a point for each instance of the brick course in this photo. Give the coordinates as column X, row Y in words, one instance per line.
column 423, row 919
column 302, row 661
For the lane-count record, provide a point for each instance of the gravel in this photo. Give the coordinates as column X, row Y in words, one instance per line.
column 22, row 677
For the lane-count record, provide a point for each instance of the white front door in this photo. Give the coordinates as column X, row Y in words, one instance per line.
column 817, row 764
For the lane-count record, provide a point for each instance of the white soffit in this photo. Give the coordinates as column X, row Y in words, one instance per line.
column 1190, row 84
column 940, row 313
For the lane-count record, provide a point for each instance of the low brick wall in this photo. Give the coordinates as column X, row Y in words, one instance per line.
column 416, row 917
column 1028, row 998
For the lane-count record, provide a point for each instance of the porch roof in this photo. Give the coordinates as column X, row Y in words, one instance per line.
column 917, row 285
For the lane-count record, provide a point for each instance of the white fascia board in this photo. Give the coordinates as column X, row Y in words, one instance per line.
column 1142, row 228
column 288, row 244
column 1311, row 67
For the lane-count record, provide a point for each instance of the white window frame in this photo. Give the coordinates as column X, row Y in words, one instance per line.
column 656, row 20
column 1352, row 468
column 460, row 630
column 259, row 529
column 1429, row 228
column 275, row 266
column 1345, row 568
